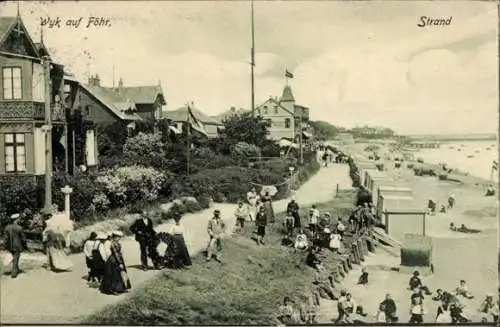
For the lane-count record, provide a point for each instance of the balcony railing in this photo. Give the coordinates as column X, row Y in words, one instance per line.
column 29, row 110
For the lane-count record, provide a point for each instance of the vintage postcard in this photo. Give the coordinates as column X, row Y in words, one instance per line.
column 249, row 162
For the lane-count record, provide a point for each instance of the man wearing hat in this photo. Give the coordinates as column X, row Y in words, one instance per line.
column 216, row 228
column 15, row 242
column 145, row 235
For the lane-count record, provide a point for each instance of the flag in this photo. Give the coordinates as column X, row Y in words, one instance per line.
column 195, row 123
column 288, row 74
column 495, row 165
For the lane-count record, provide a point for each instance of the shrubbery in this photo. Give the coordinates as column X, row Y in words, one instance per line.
column 148, row 168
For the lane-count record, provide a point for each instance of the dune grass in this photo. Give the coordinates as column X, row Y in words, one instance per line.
column 246, row 289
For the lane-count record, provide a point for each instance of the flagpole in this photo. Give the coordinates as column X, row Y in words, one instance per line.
column 252, row 64
column 188, row 140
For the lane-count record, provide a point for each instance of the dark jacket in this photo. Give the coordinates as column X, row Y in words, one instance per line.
column 15, row 239
column 390, row 307
column 415, row 282
column 292, row 207
column 143, row 233
column 261, row 219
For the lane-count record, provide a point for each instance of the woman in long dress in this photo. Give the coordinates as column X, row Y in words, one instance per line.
column 268, row 207
column 115, row 280
column 55, row 244
column 252, row 204
column 182, row 259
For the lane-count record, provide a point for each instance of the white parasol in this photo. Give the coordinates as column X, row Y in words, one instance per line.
column 271, row 189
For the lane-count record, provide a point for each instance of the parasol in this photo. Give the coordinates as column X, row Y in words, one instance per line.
column 271, row 189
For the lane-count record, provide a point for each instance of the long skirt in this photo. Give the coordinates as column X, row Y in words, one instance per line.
column 58, row 259
column 252, row 210
column 115, row 280
column 268, row 209
column 181, row 255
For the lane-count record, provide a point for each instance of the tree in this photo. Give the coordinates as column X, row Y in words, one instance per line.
column 324, row 130
column 245, row 128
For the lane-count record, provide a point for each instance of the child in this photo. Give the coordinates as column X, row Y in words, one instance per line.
column 363, row 279
column 301, row 241
column 463, row 290
column 289, row 221
column 380, row 316
column 335, row 243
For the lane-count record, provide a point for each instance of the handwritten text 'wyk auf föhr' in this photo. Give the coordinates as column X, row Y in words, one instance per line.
column 89, row 22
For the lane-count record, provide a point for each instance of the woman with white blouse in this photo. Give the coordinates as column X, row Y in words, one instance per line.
column 181, row 254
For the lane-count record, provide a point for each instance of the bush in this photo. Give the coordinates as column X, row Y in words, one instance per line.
column 397, row 165
column 19, row 194
column 380, row 166
column 410, row 166
column 134, row 183
column 420, row 160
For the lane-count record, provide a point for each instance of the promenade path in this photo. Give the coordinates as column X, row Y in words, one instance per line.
column 42, row 296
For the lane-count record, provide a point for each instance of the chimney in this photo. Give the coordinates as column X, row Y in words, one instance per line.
column 94, row 80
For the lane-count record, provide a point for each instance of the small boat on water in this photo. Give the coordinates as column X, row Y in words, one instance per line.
column 488, row 148
column 470, row 156
column 459, row 149
column 452, row 147
column 477, row 151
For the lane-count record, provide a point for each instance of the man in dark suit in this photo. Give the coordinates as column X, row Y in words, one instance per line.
column 15, row 242
column 145, row 235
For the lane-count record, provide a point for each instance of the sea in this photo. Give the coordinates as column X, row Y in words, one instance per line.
column 473, row 157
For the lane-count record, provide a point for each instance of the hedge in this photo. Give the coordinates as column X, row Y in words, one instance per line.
column 101, row 195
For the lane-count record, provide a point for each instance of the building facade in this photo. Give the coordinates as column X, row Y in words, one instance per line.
column 149, row 100
column 287, row 119
column 22, row 104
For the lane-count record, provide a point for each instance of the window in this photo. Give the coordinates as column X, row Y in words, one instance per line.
column 266, row 111
column 287, row 123
column 15, row 153
column 270, row 122
column 12, row 83
column 275, row 110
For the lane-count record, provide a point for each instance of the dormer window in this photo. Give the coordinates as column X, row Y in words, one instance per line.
column 275, row 110
column 266, row 110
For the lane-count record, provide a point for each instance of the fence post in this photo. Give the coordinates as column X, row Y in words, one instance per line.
column 337, row 191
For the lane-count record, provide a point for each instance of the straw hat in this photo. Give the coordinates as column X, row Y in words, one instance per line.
column 102, row 236
column 15, row 216
column 117, row 233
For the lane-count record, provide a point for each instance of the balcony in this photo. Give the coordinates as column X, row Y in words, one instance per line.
column 29, row 110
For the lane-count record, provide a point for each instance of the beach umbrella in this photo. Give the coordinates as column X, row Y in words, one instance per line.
column 271, row 189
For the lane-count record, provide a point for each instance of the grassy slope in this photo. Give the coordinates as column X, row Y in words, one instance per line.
column 247, row 289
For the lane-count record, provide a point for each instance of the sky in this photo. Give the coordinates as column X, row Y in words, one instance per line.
column 354, row 63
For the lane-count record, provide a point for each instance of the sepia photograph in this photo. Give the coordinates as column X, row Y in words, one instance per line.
column 249, row 162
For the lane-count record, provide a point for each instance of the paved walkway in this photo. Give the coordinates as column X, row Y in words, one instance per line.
column 42, row 296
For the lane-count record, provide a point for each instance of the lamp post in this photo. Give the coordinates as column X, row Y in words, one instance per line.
column 291, row 169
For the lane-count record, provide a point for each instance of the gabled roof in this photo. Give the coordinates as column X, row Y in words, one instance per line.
column 7, row 24
column 122, row 107
column 227, row 114
column 271, row 99
column 181, row 115
column 287, row 94
column 142, row 94
column 42, row 50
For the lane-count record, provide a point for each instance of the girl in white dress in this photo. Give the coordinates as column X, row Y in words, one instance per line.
column 301, row 242
column 335, row 242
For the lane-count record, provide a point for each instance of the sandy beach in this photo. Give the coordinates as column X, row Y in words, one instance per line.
column 456, row 256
